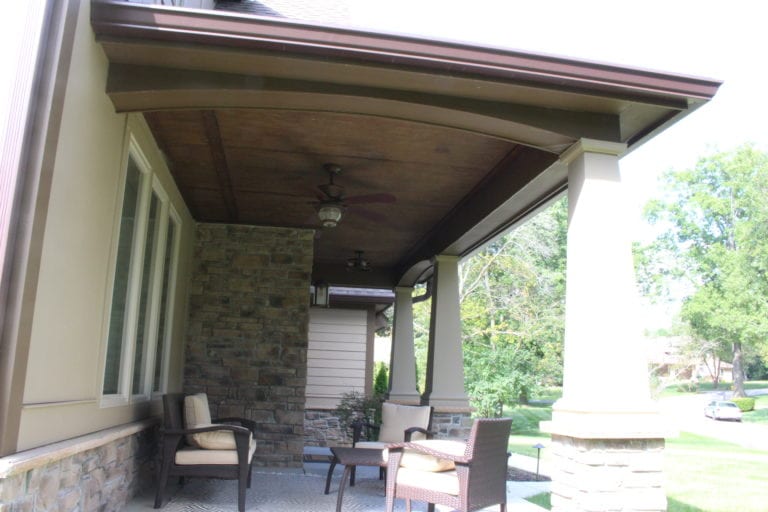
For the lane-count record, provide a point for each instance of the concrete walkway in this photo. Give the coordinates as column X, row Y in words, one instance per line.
column 294, row 490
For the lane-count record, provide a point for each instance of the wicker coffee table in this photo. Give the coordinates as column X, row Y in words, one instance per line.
column 351, row 458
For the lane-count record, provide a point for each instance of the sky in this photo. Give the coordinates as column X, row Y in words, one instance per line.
column 724, row 41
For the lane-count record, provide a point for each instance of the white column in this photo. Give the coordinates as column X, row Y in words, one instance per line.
column 402, row 369
column 445, row 362
column 605, row 382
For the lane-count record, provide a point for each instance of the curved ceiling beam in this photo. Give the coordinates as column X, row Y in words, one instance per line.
column 140, row 88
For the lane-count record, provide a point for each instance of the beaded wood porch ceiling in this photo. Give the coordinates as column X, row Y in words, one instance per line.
column 247, row 109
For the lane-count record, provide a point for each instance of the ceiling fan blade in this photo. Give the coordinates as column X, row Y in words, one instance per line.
column 370, row 198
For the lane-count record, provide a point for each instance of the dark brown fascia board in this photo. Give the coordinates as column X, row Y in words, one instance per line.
column 511, row 175
column 111, row 18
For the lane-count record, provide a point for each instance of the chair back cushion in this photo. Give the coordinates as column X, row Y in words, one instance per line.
column 198, row 414
column 196, row 411
column 395, row 419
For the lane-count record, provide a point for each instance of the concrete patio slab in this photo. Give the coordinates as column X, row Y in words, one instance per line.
column 297, row 490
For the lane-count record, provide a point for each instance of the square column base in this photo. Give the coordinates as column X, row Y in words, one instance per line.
column 605, row 475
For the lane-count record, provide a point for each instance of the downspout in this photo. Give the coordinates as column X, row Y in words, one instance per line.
column 427, row 292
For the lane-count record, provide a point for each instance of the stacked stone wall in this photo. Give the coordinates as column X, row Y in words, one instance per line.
column 323, row 428
column 248, row 331
column 99, row 478
column 453, row 425
column 607, row 475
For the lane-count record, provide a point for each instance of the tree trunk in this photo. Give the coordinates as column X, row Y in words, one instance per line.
column 738, row 371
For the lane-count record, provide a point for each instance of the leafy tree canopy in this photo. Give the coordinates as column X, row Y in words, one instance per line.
column 714, row 221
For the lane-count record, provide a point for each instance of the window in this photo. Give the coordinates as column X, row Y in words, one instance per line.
column 140, row 316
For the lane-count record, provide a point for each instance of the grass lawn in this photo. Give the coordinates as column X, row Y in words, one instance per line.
column 541, row 500
column 760, row 414
column 525, row 428
column 702, row 474
column 708, row 475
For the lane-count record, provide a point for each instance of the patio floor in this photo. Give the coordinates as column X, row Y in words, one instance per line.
column 294, row 490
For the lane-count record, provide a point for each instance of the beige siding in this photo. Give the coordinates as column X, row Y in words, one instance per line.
column 65, row 365
column 337, row 355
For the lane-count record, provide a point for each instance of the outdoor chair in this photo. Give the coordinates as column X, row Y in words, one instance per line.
column 191, row 444
column 399, row 423
column 464, row 476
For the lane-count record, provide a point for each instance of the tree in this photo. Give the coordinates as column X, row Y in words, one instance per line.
column 512, row 310
column 715, row 221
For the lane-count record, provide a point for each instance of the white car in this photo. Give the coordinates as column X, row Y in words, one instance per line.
column 722, row 410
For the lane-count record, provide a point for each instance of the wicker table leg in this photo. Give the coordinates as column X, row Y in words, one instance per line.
column 330, row 475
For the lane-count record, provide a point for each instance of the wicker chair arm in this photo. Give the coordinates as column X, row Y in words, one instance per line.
column 237, row 430
column 412, row 430
column 458, row 459
column 249, row 424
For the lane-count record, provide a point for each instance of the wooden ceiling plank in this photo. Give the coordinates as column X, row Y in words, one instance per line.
column 213, row 134
column 510, row 175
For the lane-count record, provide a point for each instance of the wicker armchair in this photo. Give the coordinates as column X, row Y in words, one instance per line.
column 194, row 445
column 464, row 476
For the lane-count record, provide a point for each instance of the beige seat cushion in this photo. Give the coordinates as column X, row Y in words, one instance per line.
column 395, row 419
column 424, row 462
column 445, row 481
column 191, row 456
column 217, row 440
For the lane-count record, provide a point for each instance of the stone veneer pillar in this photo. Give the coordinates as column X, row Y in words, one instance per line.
column 402, row 376
column 248, row 331
column 607, row 435
column 444, row 388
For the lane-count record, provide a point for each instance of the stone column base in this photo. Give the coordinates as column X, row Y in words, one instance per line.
column 602, row 475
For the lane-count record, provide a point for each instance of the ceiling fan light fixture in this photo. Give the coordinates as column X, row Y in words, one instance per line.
column 329, row 215
column 358, row 263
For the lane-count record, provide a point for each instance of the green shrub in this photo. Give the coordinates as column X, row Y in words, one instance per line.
column 746, row 403
column 381, row 380
column 355, row 406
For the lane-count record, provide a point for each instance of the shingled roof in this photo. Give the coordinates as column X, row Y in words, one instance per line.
column 317, row 11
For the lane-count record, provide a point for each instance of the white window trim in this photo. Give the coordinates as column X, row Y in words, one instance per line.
column 149, row 186
column 170, row 305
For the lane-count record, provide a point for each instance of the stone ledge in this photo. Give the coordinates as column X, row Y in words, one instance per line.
column 38, row 457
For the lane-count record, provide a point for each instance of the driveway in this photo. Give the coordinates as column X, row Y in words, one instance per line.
column 686, row 413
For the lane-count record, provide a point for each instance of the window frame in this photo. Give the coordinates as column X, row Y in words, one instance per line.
column 149, row 188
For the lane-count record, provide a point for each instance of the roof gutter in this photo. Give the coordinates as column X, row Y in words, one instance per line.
column 119, row 19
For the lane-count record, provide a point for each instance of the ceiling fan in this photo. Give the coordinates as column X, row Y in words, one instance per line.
column 332, row 203
column 358, row 263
